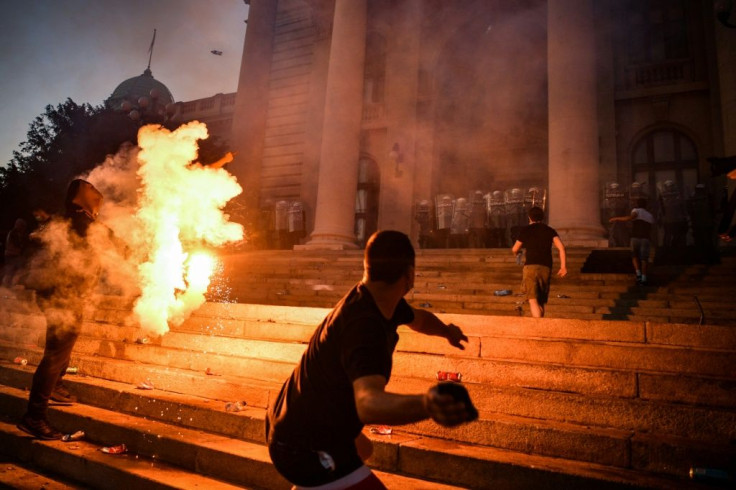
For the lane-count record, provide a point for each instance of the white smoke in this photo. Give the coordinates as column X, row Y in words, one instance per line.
column 162, row 209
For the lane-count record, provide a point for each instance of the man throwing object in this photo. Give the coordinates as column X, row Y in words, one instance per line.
column 314, row 426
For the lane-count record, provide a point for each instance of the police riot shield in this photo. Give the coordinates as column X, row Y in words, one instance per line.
column 296, row 222
column 459, row 224
column 444, row 209
column 535, row 197
column 445, row 205
column 477, row 220
column 615, row 203
column 672, row 214
column 497, row 228
column 516, row 216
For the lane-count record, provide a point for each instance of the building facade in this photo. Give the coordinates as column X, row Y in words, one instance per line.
column 361, row 109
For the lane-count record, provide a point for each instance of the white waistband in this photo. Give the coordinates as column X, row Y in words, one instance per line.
column 350, row 479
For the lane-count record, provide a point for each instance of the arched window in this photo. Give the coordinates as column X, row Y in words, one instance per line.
column 665, row 154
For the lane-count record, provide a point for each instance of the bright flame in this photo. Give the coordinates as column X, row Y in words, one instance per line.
column 199, row 269
column 179, row 208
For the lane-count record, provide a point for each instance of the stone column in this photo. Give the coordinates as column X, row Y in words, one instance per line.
column 251, row 102
column 573, row 122
column 338, row 168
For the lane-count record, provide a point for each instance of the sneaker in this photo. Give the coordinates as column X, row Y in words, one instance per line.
column 62, row 395
column 39, row 428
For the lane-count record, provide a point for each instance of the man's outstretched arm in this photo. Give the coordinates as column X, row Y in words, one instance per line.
column 427, row 323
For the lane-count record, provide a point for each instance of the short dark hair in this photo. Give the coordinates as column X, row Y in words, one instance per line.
column 388, row 256
column 641, row 202
column 536, row 214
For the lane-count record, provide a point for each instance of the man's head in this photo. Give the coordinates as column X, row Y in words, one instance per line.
column 389, row 255
column 536, row 214
column 641, row 202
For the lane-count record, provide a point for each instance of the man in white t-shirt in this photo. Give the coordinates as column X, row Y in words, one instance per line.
column 641, row 231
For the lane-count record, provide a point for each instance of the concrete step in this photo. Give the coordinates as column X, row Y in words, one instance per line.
column 16, row 476
column 167, row 427
column 645, row 396
column 180, row 457
column 84, row 463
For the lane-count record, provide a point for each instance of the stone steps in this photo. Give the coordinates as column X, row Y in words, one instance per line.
column 188, row 432
column 602, row 393
column 463, row 281
column 571, row 400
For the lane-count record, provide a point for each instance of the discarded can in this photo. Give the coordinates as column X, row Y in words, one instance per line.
column 142, row 340
column 210, row 372
column 563, row 296
column 425, row 305
column 145, row 385
column 448, row 376
column 383, row 430
column 72, row 370
column 502, row 292
column 74, row 436
column 119, row 449
column 235, row 406
column 712, row 475
column 20, row 360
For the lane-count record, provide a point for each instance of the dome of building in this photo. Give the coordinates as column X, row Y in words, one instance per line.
column 141, row 93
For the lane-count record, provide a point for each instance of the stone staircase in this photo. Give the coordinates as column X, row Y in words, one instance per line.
column 577, row 402
column 464, row 281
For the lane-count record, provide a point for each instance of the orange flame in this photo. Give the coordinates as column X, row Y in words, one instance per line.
column 179, row 208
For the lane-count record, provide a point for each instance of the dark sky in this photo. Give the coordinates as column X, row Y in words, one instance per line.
column 55, row 49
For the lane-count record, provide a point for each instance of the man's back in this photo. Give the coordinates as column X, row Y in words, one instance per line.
column 537, row 240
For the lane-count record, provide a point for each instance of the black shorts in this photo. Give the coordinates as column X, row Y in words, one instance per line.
column 309, row 467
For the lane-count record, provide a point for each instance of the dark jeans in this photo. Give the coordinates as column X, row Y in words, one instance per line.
column 59, row 344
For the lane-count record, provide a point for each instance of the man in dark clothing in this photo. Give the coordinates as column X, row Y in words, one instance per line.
column 537, row 238
column 63, row 272
column 314, row 426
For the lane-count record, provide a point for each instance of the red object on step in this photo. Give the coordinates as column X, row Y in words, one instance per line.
column 449, row 376
column 119, row 449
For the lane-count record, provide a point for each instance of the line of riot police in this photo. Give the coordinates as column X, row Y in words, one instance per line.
column 283, row 225
column 481, row 220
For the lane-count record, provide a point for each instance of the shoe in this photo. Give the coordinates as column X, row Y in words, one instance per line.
column 62, row 395
column 39, row 428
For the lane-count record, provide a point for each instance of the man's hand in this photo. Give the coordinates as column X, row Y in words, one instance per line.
column 446, row 409
column 562, row 272
column 455, row 335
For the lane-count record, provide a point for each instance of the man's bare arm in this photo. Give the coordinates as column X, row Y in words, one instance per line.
column 376, row 406
column 563, row 257
column 427, row 323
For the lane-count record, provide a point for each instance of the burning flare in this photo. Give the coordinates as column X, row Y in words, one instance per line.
column 179, row 211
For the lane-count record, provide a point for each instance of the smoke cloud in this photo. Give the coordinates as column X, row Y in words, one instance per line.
column 161, row 217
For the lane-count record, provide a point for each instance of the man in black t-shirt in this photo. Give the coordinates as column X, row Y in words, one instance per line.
column 537, row 238
column 314, row 426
